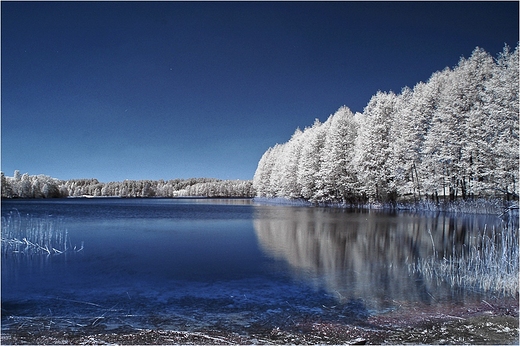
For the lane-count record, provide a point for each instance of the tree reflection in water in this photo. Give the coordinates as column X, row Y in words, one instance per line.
column 368, row 254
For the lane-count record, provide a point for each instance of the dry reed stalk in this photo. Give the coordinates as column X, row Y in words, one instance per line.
column 38, row 236
column 489, row 263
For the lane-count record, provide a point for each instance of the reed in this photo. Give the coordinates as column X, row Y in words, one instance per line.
column 467, row 206
column 32, row 235
column 487, row 262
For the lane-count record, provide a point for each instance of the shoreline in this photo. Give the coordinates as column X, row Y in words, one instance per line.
column 488, row 322
column 482, row 206
column 493, row 320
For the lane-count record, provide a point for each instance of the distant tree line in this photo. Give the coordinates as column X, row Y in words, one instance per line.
column 42, row 186
column 455, row 136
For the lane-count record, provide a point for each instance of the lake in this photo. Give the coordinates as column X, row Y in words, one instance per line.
column 187, row 264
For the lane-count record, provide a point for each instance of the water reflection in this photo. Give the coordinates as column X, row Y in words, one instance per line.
column 365, row 254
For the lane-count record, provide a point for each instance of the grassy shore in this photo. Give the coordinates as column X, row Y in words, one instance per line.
column 468, row 206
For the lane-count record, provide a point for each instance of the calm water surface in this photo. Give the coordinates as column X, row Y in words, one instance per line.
column 191, row 263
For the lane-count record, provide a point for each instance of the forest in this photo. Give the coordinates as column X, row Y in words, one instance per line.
column 452, row 137
column 42, row 186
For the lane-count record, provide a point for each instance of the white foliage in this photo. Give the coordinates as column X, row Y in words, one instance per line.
column 455, row 135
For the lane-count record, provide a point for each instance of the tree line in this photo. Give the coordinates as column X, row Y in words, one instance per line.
column 42, row 186
column 454, row 136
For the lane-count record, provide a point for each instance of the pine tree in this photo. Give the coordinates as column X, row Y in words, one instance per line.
column 309, row 164
column 261, row 179
column 502, row 110
column 474, row 74
column 337, row 174
column 373, row 149
column 289, row 179
column 455, row 135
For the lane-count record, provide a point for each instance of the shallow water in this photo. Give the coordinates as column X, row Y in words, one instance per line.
column 231, row 263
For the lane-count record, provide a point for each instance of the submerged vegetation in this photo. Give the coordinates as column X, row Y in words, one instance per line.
column 32, row 236
column 490, row 206
column 486, row 262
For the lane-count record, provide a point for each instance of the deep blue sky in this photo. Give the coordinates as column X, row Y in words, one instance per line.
column 140, row 90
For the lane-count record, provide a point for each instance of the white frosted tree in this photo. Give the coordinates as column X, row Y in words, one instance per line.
column 474, row 75
column 26, row 186
column 455, row 145
column 261, row 179
column 7, row 190
column 443, row 144
column 309, row 163
column 289, row 178
column 455, row 135
column 337, row 176
column 402, row 132
column 431, row 165
column 502, row 119
column 373, row 149
column 260, row 173
column 414, row 113
column 278, row 172
column 15, row 183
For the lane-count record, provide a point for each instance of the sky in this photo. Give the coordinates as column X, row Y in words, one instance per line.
column 165, row 90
